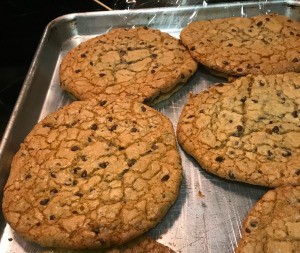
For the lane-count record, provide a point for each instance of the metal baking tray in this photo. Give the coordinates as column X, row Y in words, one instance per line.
column 209, row 211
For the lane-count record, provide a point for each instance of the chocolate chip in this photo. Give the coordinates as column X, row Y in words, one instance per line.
column 295, row 114
column 103, row 165
column 297, row 172
column 94, row 127
column 154, row 56
column 96, row 230
column 225, row 62
column 270, row 153
column 83, row 55
column 267, row 19
column 83, row 158
column 76, row 169
column 131, row 162
column 190, row 116
column 295, row 60
column 286, row 153
column 102, row 102
column 182, row 76
column 10, row 239
column 102, row 74
column 249, row 66
column 201, row 111
column 250, row 30
column 243, row 99
column 44, row 202
column 91, row 63
column 192, row 48
column 231, row 175
column 153, row 71
column 248, row 230
column 48, row 125
column 254, row 101
column 79, row 194
column 219, row 84
column 121, row 148
column 143, row 108
column 275, row 129
column 259, row 23
column 291, row 33
column 89, row 139
column 147, row 100
column 53, row 175
column 84, row 174
column 75, row 182
column 133, row 130
column 165, row 178
column 52, row 217
column 28, row 176
column 219, row 159
column 77, row 70
column 253, row 223
column 289, row 20
column 239, row 128
column 154, row 147
column 74, row 212
column 74, row 148
column 53, row 190
column 261, row 83
column 113, row 128
column 239, row 69
column 145, row 27
column 229, row 45
column 233, row 30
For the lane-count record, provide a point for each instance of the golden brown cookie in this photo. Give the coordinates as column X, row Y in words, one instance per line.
column 94, row 174
column 141, row 245
column 265, row 44
column 140, row 63
column 272, row 225
column 247, row 130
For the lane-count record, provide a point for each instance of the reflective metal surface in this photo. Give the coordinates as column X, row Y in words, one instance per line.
column 208, row 213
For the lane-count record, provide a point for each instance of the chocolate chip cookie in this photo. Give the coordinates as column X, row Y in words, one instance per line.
column 273, row 223
column 248, row 130
column 140, row 63
column 93, row 174
column 265, row 44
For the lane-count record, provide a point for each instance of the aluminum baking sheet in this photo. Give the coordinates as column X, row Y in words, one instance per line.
column 209, row 211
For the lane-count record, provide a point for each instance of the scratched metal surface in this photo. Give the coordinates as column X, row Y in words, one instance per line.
column 209, row 211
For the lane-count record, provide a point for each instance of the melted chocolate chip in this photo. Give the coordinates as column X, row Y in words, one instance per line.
column 248, row 230
column 103, row 165
column 267, row 19
column 44, row 202
column 295, row 114
column 259, row 23
column 75, row 182
column 53, row 190
column 94, row 127
column 79, row 194
column 275, row 129
column 143, row 108
column 83, row 55
column 102, row 102
column 74, row 148
column 165, row 178
column 131, row 162
column 113, row 128
column 152, row 71
column 91, row 63
column 52, row 217
column 77, row 70
column 231, row 175
column 219, row 159
column 102, row 74
column 239, row 69
column 84, row 174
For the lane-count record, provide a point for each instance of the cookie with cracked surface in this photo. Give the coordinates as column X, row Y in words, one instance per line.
column 272, row 225
column 94, row 174
column 140, row 63
column 247, row 130
column 265, row 44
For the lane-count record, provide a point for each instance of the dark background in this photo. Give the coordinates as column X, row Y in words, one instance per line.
column 21, row 26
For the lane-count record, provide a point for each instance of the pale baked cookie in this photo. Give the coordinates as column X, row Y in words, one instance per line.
column 248, row 130
column 265, row 44
column 140, row 63
column 93, row 174
column 272, row 225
